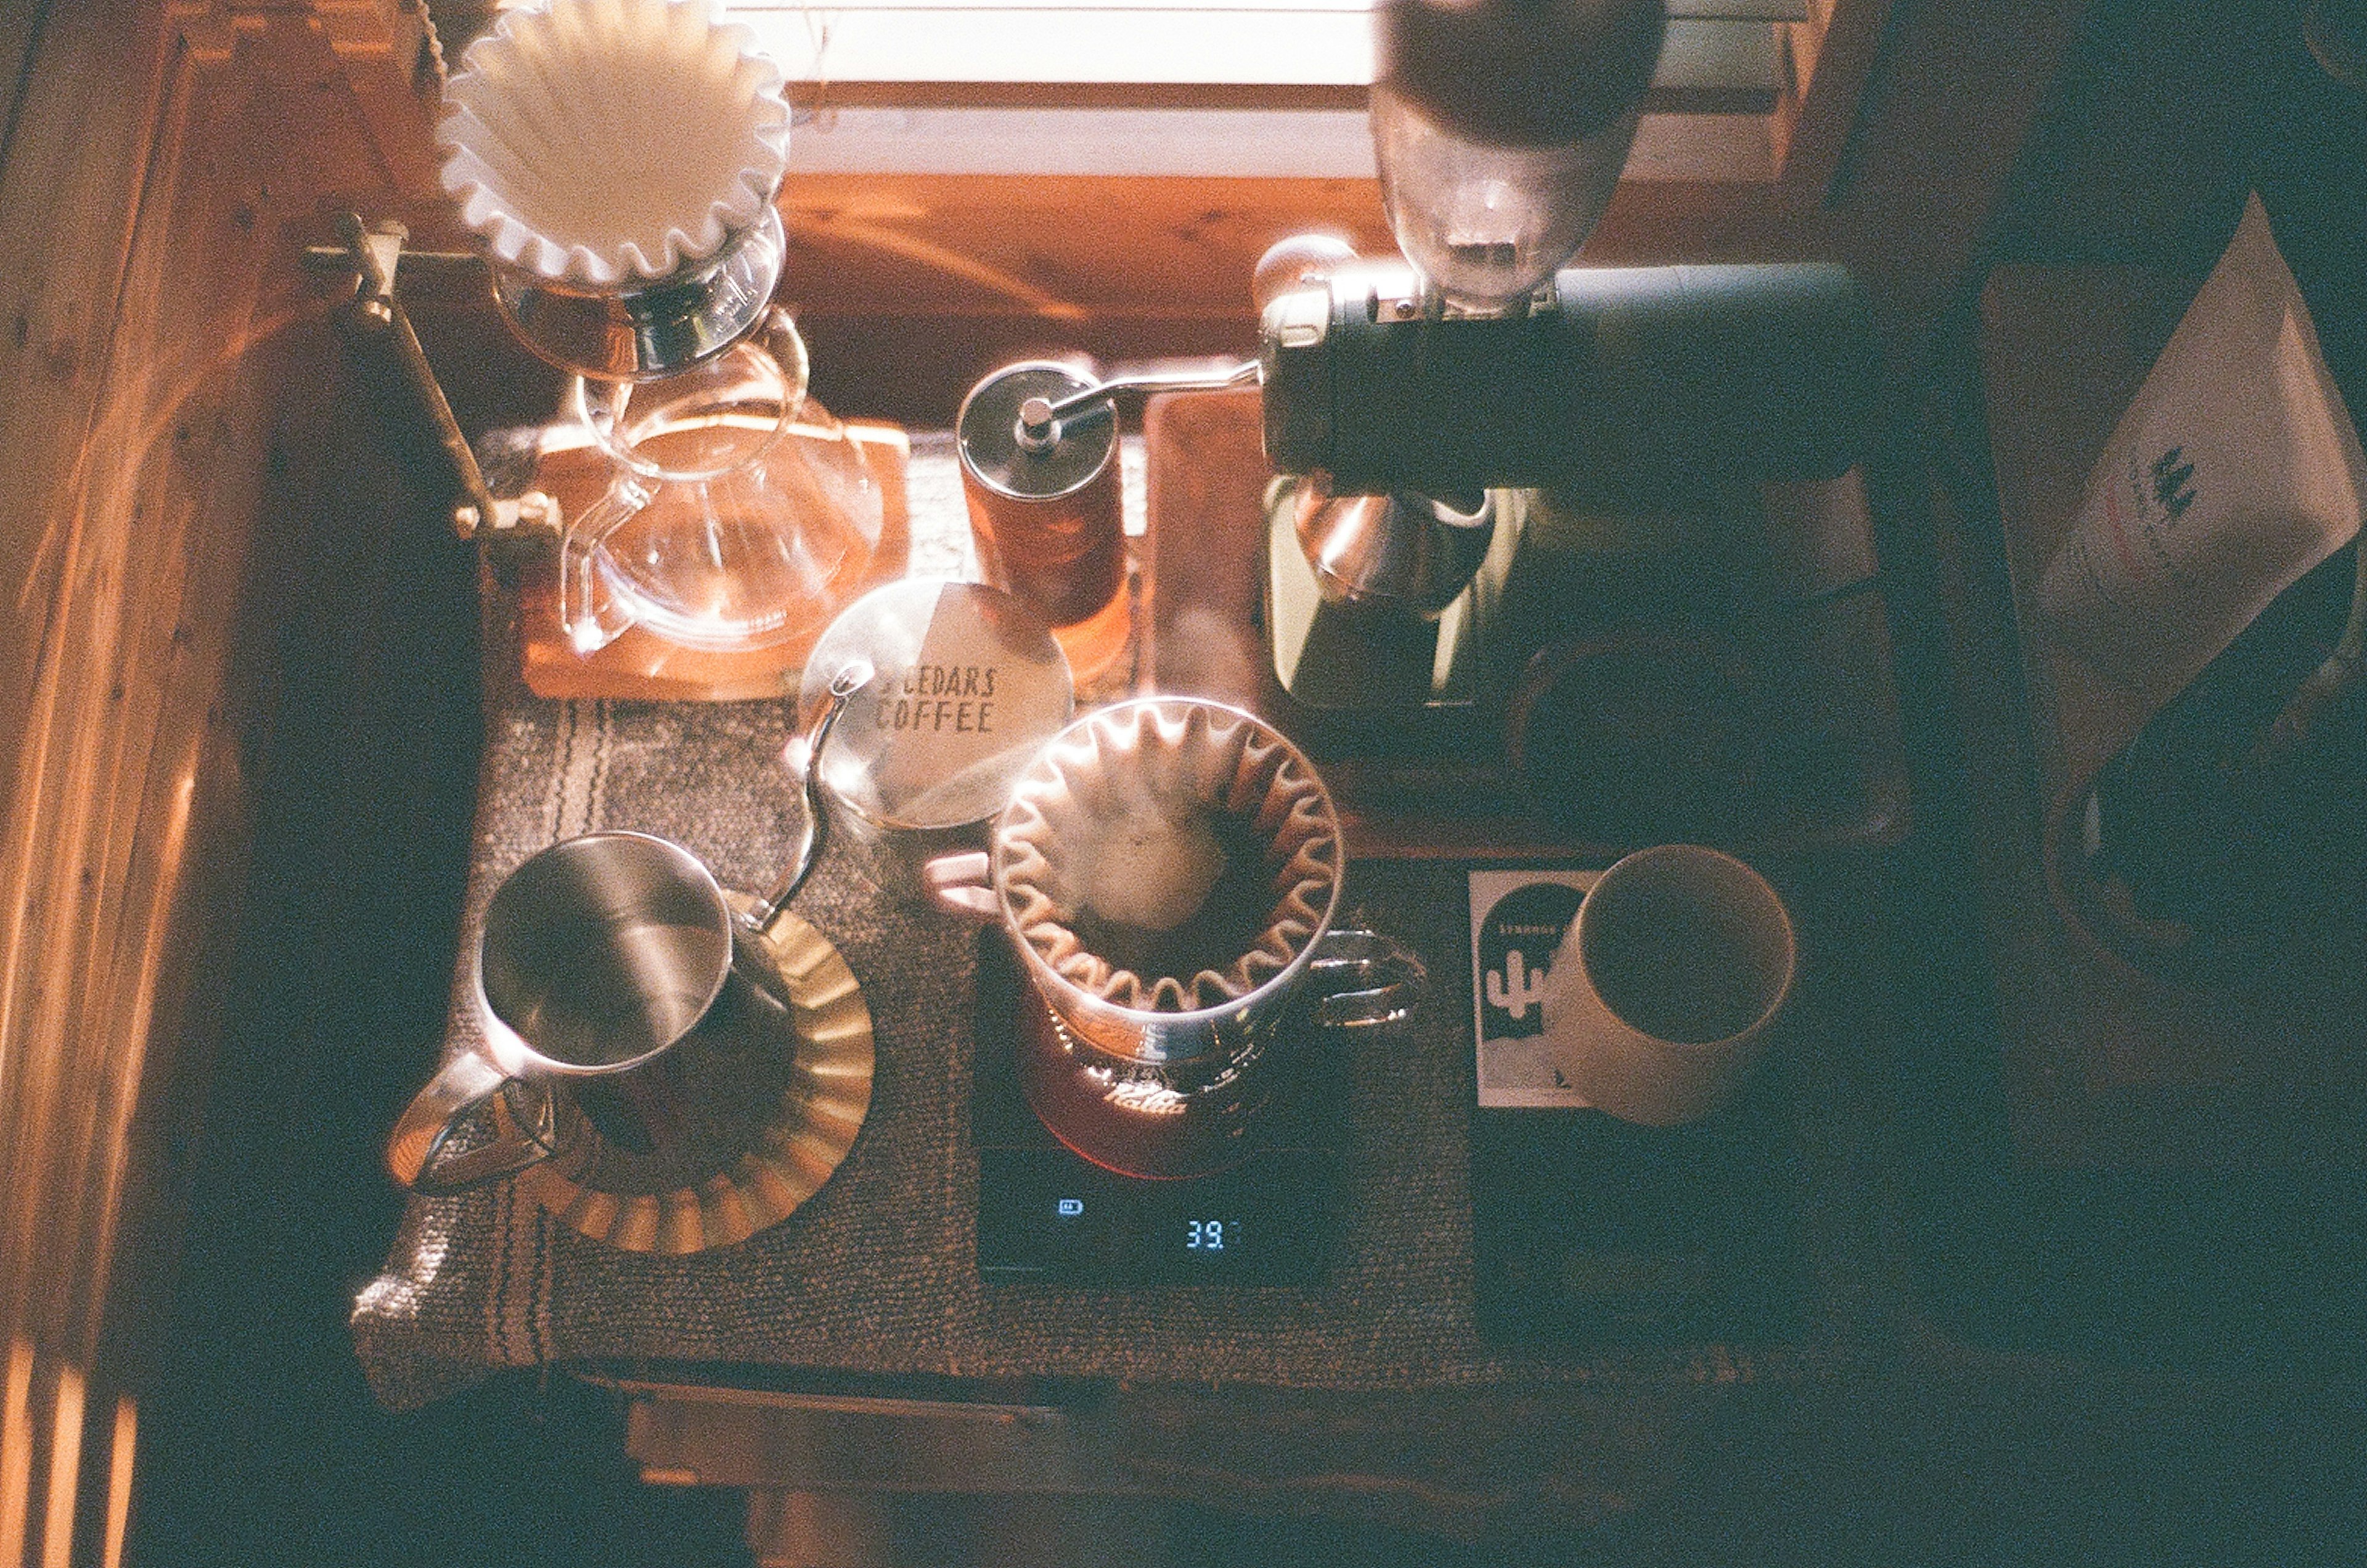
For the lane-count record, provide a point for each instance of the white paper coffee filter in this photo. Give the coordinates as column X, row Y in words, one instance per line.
column 1115, row 816
column 593, row 142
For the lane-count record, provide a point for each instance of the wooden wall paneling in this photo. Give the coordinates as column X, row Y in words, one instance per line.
column 1829, row 58
column 1061, row 248
column 20, row 24
column 74, row 158
column 164, row 162
column 1949, row 99
column 909, row 286
column 1661, row 223
column 75, row 153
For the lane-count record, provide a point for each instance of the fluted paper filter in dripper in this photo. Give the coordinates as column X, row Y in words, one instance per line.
column 596, row 143
column 1169, row 857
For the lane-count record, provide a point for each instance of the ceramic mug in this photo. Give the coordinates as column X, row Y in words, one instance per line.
column 1661, row 995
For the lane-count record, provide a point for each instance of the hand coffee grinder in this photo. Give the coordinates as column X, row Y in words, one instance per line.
column 1411, row 406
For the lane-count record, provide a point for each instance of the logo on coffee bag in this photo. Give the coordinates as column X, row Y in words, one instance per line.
column 2171, row 483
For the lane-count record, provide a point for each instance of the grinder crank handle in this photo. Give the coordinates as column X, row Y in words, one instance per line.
column 1039, row 418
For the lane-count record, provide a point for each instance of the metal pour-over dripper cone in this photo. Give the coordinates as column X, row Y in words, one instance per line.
column 618, row 158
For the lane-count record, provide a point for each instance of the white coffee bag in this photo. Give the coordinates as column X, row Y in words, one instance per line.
column 2234, row 471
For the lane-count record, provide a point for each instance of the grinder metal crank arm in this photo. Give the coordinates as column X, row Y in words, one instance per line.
column 1040, row 418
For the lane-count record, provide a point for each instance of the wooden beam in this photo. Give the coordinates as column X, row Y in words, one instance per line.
column 163, row 162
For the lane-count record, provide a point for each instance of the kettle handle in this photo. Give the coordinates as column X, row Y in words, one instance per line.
column 427, row 1124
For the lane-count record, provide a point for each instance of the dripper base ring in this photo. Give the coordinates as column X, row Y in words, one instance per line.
column 660, row 328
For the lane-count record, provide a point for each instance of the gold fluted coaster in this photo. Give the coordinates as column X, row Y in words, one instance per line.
column 746, row 1120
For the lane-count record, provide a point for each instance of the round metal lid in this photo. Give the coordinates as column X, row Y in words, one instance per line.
column 991, row 451
column 969, row 686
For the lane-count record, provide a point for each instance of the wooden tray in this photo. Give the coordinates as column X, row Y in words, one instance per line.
column 1446, row 790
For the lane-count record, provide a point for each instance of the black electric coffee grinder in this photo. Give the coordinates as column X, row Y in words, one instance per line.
column 1495, row 466
column 1416, row 443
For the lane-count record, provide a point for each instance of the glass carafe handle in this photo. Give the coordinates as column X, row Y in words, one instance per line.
column 590, row 614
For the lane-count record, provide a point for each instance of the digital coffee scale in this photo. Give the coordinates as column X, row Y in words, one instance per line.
column 1048, row 1216
column 1587, row 1230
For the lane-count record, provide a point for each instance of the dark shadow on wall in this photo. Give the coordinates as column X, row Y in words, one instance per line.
column 262, row 1444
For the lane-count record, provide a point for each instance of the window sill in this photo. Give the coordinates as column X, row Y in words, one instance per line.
column 1250, row 143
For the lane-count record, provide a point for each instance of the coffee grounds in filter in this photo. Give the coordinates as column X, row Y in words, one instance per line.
column 1201, row 923
column 1169, row 857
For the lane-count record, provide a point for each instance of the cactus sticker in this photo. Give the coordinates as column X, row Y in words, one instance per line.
column 1517, row 939
column 1518, row 919
column 1516, row 989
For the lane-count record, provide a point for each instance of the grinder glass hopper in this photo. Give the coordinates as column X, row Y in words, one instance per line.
column 618, row 159
column 1500, row 128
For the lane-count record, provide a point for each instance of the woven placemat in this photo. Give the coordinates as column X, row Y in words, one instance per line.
column 876, row 1273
